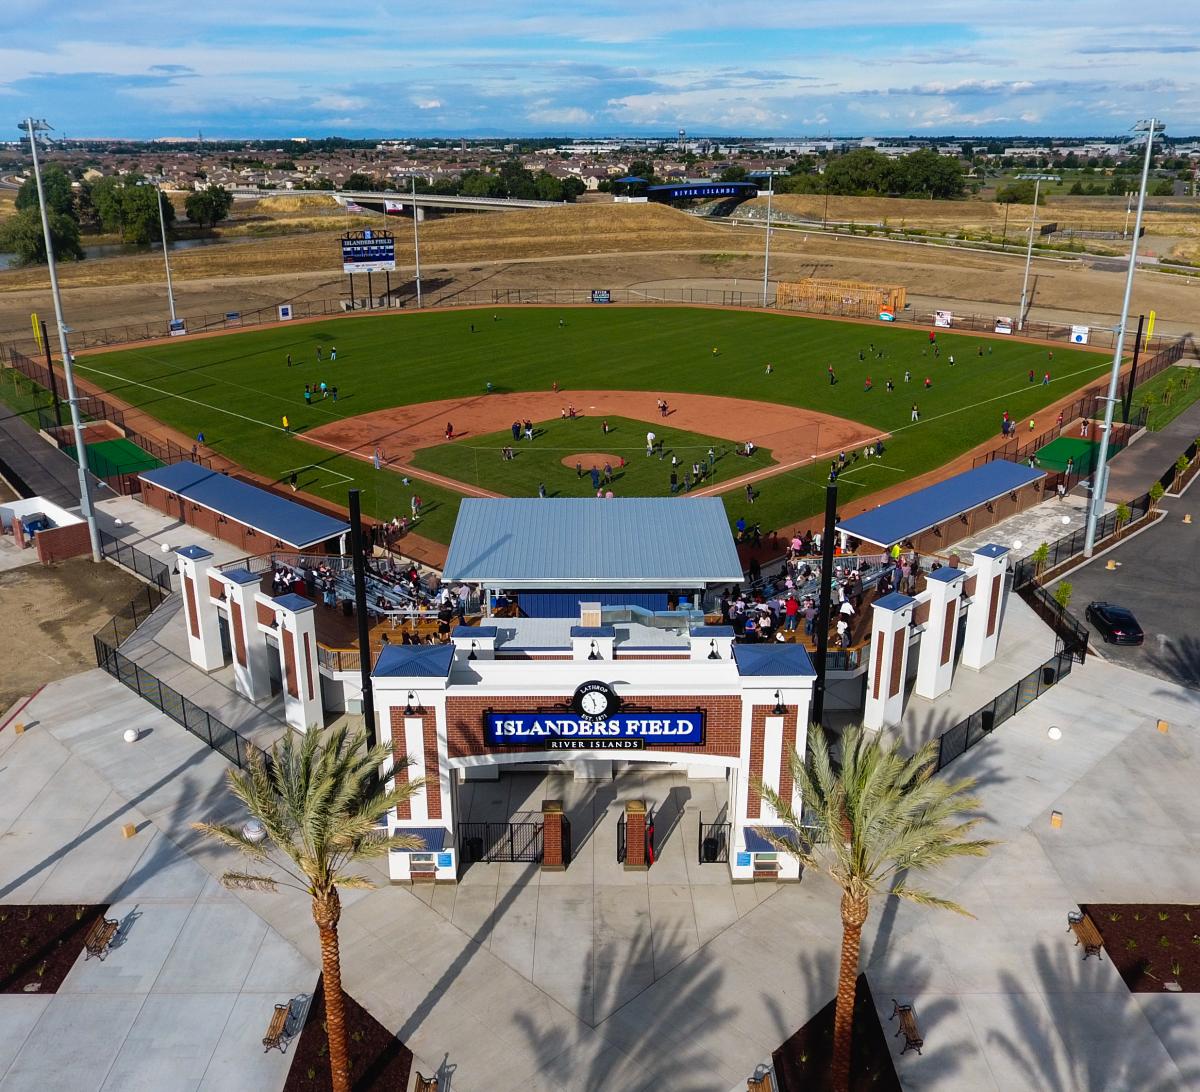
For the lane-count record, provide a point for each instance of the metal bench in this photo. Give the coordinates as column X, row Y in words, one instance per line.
column 1087, row 935
column 277, row 1029
column 426, row 1084
column 99, row 937
column 908, row 1025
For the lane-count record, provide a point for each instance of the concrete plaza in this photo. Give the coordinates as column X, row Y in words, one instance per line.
column 593, row 979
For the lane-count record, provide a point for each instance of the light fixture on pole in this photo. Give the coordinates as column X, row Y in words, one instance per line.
column 1100, row 477
column 416, row 238
column 767, row 243
column 162, row 231
column 1037, row 180
column 33, row 127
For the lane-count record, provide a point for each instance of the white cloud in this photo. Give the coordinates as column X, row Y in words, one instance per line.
column 427, row 104
column 545, row 114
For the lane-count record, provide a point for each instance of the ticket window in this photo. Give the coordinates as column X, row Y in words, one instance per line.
column 422, row 866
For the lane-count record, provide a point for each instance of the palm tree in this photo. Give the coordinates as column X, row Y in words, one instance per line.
column 878, row 818
column 318, row 803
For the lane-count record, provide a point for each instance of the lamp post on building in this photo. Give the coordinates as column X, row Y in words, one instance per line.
column 1100, row 478
column 34, row 126
column 767, row 244
column 1037, row 180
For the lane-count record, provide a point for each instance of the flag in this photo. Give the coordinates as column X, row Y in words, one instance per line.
column 393, row 208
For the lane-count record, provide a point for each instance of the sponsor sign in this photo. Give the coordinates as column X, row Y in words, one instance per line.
column 1079, row 335
column 233, row 318
column 601, row 295
column 368, row 251
column 285, row 312
column 445, row 860
column 943, row 319
column 566, row 731
column 178, row 327
column 743, row 860
column 1004, row 324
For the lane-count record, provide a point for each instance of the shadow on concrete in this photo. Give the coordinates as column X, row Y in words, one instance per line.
column 1096, row 1047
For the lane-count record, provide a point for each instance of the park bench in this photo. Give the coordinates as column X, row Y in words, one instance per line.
column 1086, row 933
column 908, row 1025
column 425, row 1084
column 99, row 937
column 760, row 1083
column 277, row 1029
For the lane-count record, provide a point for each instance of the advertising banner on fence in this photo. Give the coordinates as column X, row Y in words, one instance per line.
column 1079, row 335
column 1004, row 324
column 601, row 295
column 178, row 327
column 943, row 319
column 368, row 251
column 285, row 312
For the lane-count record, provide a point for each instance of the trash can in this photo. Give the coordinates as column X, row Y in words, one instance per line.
column 711, row 850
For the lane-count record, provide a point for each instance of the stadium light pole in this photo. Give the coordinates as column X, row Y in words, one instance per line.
column 162, row 234
column 33, row 127
column 1037, row 180
column 1100, row 478
column 416, row 239
column 767, row 243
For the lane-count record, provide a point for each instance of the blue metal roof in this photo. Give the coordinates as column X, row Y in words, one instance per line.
column 282, row 519
column 433, row 837
column 992, row 550
column 773, row 659
column 414, row 661
column 895, row 601
column 909, row 516
column 194, row 553
column 242, row 576
column 945, row 574
column 593, row 631
column 711, row 631
column 577, row 543
column 295, row 603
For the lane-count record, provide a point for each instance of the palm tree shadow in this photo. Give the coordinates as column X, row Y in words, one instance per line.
column 1095, row 1033
column 1179, row 661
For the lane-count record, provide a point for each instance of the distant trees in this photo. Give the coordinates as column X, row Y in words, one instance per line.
column 129, row 206
column 1020, row 192
column 209, row 206
column 865, row 172
column 56, row 184
column 733, row 174
column 21, row 234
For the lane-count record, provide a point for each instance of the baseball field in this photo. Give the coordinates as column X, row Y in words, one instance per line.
column 796, row 387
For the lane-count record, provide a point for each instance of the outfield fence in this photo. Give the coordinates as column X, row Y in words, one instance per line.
column 437, row 295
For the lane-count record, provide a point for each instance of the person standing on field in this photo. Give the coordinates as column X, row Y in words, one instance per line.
column 286, row 426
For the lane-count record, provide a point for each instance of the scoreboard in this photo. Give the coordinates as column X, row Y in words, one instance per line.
column 368, row 251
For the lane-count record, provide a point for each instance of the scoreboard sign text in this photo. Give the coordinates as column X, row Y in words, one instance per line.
column 569, row 732
column 368, row 251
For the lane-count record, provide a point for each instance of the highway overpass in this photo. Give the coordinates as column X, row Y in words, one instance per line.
column 423, row 200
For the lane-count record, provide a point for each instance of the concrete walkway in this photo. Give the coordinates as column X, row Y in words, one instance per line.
column 1005, row 1001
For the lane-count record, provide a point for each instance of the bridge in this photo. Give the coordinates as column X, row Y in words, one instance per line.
column 405, row 199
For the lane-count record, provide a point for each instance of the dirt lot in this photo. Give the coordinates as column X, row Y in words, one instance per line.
column 587, row 246
column 53, row 612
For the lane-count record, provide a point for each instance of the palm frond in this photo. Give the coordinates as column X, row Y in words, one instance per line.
column 246, row 881
column 234, row 838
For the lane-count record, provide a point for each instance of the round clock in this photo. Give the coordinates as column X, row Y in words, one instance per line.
column 595, row 700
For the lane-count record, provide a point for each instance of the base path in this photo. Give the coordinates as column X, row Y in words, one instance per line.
column 791, row 434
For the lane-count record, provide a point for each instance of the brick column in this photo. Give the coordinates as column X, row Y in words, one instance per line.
column 935, row 650
column 888, row 666
column 635, row 836
column 554, row 857
column 986, row 614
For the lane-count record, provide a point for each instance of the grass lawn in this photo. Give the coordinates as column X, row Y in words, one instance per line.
column 236, row 388
column 108, row 458
column 1169, row 382
column 476, row 459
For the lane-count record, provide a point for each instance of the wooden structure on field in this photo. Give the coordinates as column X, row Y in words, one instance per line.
column 854, row 298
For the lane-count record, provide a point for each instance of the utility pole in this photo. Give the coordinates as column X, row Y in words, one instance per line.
column 417, row 238
column 162, row 230
column 767, row 244
column 824, row 601
column 1037, row 180
column 1100, row 478
column 33, row 127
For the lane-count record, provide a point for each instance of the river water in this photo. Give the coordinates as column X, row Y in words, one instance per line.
column 115, row 250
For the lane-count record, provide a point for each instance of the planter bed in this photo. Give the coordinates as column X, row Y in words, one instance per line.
column 39, row 944
column 1143, row 945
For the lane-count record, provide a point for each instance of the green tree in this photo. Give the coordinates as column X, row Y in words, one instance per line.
column 1123, row 514
column 1062, row 593
column 126, row 204
column 573, row 188
column 361, row 183
column 925, row 172
column 209, row 206
column 862, row 171
column 643, row 168
column 1040, row 556
column 516, row 180
column 21, row 234
column 1076, row 188
column 1019, row 192
column 734, row 173
column 1164, row 188
column 878, row 820
column 547, row 187
column 481, row 184
column 318, row 803
column 56, row 185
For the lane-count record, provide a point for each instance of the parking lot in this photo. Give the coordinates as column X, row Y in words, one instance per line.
column 1158, row 578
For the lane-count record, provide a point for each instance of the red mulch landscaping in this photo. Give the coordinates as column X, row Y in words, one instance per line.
column 377, row 1058
column 39, row 944
column 803, row 1063
column 1144, row 939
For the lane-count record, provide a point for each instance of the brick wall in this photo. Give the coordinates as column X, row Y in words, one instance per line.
column 60, row 543
column 433, row 780
column 399, row 751
column 758, row 735
column 464, row 722
column 790, row 719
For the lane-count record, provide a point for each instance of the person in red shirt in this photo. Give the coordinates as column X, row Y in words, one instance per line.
column 792, row 611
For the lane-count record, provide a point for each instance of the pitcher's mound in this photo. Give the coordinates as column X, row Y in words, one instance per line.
column 592, row 458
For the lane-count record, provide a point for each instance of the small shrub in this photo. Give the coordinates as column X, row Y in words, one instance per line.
column 311, row 1073
column 1131, row 945
column 1114, row 916
column 25, row 942
column 1062, row 594
column 357, row 1036
column 1138, row 916
column 1164, row 942
column 1176, row 969
column 1164, row 916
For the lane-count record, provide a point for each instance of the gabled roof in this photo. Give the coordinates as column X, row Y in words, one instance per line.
column 773, row 659
column 414, row 661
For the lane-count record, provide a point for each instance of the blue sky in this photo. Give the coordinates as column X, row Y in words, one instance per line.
column 141, row 69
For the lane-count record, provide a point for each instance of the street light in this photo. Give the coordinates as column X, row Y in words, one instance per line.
column 767, row 244
column 1037, row 180
column 33, row 127
column 1100, row 479
column 162, row 231
column 416, row 239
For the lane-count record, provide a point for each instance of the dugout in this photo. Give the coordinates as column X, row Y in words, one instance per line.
column 237, row 512
column 940, row 514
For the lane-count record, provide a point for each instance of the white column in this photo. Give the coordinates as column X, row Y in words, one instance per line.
column 935, row 655
column 251, row 656
column 888, row 664
column 986, row 614
column 201, row 623
column 297, row 632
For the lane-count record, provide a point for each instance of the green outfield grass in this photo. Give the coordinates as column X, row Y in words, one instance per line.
column 108, row 458
column 1082, row 453
column 1167, row 396
column 236, row 388
column 477, row 459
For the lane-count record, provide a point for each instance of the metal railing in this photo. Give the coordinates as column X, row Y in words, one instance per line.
column 980, row 724
column 505, row 842
column 712, row 841
column 136, row 561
